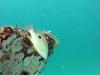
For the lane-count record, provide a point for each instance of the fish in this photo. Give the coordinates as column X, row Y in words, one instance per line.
column 39, row 43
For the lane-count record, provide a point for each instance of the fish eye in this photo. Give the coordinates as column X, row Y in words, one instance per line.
column 39, row 37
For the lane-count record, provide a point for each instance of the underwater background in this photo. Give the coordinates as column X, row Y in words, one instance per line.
column 76, row 23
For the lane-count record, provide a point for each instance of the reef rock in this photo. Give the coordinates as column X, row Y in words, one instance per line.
column 21, row 53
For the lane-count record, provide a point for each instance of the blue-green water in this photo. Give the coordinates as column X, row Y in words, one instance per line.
column 75, row 22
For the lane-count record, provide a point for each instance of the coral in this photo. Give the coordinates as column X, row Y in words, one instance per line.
column 17, row 55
